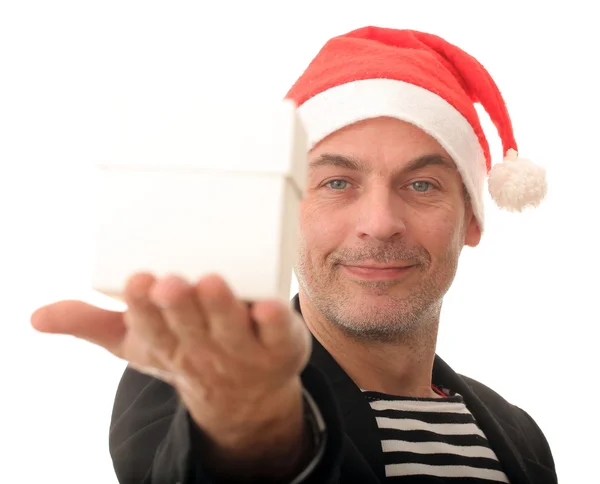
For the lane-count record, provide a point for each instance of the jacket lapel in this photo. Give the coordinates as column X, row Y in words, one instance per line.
column 500, row 442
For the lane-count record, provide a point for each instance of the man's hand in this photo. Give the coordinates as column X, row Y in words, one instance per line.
column 236, row 367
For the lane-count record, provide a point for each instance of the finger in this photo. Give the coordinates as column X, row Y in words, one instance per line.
column 180, row 309
column 76, row 318
column 228, row 318
column 275, row 323
column 146, row 323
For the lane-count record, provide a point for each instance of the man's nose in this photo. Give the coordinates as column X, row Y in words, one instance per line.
column 380, row 215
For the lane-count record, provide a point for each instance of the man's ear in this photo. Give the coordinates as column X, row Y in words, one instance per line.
column 472, row 229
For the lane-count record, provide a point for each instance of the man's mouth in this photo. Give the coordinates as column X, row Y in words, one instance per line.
column 376, row 272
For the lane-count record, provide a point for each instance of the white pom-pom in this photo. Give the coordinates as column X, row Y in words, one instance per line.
column 517, row 183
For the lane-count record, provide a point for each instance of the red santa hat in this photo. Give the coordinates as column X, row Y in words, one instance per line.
column 424, row 80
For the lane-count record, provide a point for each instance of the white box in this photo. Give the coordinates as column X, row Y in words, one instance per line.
column 222, row 199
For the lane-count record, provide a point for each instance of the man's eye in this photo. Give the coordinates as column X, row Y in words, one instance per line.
column 421, row 186
column 337, row 184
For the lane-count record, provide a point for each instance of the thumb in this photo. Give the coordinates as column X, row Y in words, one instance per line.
column 76, row 318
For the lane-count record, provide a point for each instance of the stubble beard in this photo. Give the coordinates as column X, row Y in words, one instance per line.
column 379, row 316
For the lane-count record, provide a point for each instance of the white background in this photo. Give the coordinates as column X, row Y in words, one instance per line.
column 74, row 76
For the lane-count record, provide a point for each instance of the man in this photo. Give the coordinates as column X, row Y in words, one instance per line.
column 352, row 391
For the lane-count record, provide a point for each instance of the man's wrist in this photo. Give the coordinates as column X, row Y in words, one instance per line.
column 276, row 446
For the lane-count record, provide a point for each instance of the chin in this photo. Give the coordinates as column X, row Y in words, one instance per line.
column 375, row 320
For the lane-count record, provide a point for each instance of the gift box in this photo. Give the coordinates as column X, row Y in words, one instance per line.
column 222, row 199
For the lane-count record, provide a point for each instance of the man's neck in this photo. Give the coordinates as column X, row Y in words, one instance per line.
column 401, row 368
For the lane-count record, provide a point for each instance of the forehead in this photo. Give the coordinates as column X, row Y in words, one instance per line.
column 380, row 144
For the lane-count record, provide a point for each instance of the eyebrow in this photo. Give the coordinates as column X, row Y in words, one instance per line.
column 354, row 164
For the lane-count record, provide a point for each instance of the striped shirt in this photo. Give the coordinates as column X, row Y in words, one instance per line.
column 427, row 440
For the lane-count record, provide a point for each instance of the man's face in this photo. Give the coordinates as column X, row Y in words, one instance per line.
column 381, row 228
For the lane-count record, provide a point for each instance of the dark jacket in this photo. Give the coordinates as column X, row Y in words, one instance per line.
column 152, row 435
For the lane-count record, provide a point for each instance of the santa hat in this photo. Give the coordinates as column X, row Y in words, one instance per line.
column 424, row 80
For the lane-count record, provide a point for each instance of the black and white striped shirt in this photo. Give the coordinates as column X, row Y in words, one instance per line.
column 428, row 440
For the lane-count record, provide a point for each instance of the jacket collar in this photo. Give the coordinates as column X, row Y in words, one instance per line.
column 361, row 427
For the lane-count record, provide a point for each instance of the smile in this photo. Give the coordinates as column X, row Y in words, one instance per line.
column 375, row 273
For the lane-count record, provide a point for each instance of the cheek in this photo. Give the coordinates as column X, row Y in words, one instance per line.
column 319, row 230
column 442, row 236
